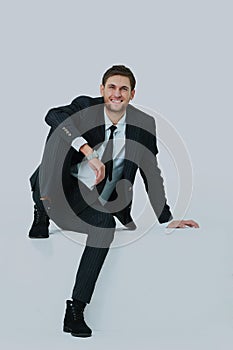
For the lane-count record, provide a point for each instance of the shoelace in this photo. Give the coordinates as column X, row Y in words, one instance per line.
column 77, row 313
column 40, row 217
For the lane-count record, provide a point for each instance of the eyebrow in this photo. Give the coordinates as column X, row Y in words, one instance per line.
column 122, row 87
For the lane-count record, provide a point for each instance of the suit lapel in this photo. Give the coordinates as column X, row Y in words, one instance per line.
column 95, row 127
column 133, row 124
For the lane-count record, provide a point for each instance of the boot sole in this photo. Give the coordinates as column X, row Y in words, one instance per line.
column 82, row 335
column 38, row 236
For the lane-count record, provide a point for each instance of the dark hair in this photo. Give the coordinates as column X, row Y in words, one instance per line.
column 119, row 70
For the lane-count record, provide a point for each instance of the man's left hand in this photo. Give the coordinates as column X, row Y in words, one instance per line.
column 183, row 224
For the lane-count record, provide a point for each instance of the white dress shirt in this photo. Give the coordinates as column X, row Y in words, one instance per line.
column 83, row 171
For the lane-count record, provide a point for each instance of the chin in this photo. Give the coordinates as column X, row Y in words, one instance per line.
column 115, row 108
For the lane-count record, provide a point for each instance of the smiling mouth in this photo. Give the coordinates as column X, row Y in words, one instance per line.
column 116, row 101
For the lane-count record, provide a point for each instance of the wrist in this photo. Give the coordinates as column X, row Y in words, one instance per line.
column 93, row 155
column 86, row 150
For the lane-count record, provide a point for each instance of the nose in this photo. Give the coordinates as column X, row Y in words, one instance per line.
column 117, row 93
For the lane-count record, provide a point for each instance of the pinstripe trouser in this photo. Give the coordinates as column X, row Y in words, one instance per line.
column 100, row 229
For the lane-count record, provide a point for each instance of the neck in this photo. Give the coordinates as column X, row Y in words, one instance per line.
column 114, row 116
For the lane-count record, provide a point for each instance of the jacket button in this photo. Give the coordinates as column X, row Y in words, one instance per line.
column 130, row 188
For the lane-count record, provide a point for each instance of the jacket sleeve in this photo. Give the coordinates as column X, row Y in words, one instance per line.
column 63, row 131
column 152, row 178
column 59, row 119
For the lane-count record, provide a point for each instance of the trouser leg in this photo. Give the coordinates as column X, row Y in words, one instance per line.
column 35, row 188
column 93, row 257
column 89, row 268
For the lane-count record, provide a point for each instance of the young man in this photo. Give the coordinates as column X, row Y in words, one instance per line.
column 94, row 149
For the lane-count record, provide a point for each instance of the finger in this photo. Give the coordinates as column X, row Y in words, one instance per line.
column 191, row 223
column 100, row 174
column 98, row 177
column 180, row 224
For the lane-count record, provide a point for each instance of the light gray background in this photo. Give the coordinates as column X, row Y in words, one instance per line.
column 164, row 291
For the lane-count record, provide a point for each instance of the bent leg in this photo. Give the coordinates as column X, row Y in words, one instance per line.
column 39, row 228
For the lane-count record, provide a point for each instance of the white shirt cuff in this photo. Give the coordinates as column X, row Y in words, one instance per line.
column 78, row 142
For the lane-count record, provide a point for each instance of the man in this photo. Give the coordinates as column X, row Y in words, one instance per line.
column 93, row 151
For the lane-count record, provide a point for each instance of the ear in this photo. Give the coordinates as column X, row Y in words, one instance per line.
column 132, row 94
column 102, row 90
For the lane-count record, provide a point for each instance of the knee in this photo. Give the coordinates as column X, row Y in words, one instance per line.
column 101, row 236
column 106, row 221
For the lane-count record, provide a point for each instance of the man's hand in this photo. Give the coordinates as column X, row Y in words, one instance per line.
column 96, row 165
column 99, row 169
column 183, row 224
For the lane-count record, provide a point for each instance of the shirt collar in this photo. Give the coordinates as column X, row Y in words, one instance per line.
column 108, row 122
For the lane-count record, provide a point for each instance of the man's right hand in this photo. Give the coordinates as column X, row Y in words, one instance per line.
column 99, row 169
column 96, row 165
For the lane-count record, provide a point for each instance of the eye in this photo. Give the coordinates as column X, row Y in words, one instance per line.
column 125, row 88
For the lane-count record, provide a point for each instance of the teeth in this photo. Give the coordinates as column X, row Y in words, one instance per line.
column 116, row 101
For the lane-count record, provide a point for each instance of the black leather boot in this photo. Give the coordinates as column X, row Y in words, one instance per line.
column 40, row 225
column 74, row 319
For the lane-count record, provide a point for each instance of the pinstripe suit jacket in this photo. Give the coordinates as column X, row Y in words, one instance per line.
column 85, row 117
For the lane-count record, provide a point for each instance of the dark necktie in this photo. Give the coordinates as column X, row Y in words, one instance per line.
column 108, row 153
column 107, row 160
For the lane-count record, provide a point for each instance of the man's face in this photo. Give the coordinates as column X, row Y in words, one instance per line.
column 117, row 93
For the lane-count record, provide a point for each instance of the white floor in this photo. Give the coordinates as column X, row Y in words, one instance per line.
column 163, row 291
